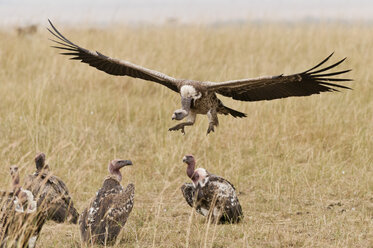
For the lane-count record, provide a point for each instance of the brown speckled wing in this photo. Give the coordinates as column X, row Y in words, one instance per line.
column 110, row 65
column 312, row 81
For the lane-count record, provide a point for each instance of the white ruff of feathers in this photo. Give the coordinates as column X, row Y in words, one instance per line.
column 31, row 206
column 188, row 91
column 203, row 178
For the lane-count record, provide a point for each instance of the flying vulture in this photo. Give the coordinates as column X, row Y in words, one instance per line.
column 199, row 97
column 20, row 218
column 51, row 193
column 212, row 196
column 107, row 213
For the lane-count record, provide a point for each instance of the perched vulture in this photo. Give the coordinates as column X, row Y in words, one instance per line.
column 20, row 218
column 212, row 196
column 107, row 213
column 199, row 97
column 51, row 193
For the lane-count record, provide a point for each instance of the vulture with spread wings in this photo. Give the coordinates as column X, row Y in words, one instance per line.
column 200, row 97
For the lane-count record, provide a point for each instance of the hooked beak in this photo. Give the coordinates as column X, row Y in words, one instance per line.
column 184, row 159
column 173, row 117
column 128, row 162
column 125, row 163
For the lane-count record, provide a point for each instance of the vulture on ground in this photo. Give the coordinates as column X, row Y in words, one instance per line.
column 212, row 196
column 51, row 193
column 107, row 213
column 199, row 97
column 20, row 218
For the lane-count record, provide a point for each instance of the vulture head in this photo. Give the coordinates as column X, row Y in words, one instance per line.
column 199, row 175
column 15, row 175
column 40, row 161
column 191, row 162
column 179, row 114
column 13, row 170
column 116, row 165
column 24, row 198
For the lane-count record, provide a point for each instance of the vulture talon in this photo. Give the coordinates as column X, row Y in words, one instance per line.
column 210, row 129
column 180, row 126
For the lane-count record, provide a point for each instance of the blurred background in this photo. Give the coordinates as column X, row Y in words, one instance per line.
column 96, row 12
column 303, row 167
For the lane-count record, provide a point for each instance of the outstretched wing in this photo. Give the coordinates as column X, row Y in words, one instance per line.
column 110, row 65
column 306, row 83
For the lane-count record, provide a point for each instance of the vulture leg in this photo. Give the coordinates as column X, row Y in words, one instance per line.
column 213, row 120
column 190, row 121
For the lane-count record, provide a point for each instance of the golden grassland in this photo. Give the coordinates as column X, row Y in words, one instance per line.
column 303, row 167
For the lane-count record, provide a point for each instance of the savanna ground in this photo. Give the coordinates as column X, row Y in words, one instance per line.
column 303, row 167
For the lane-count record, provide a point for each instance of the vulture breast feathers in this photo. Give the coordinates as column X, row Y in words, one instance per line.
column 108, row 212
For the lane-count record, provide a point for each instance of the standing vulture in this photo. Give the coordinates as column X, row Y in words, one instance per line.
column 199, row 97
column 212, row 196
column 107, row 213
column 51, row 193
column 20, row 218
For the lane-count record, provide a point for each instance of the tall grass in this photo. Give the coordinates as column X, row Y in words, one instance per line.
column 302, row 166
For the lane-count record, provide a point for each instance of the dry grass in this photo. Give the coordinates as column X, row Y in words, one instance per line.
column 303, row 166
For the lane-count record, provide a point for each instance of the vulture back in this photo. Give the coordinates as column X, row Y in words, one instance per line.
column 216, row 198
column 53, row 196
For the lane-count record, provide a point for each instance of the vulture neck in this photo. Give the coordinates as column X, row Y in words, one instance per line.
column 186, row 104
column 115, row 172
column 16, row 185
column 190, row 169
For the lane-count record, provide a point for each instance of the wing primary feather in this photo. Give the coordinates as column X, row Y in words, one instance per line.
column 64, row 48
column 61, row 36
column 75, row 53
column 100, row 54
column 335, row 85
column 327, row 68
column 333, row 73
column 319, row 64
column 332, row 79
column 53, row 34
column 63, row 44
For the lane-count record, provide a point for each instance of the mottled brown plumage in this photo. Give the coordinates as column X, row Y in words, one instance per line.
column 107, row 213
column 212, row 196
column 199, row 97
column 51, row 193
column 21, row 220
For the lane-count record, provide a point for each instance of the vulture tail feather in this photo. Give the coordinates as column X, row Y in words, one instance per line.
column 235, row 113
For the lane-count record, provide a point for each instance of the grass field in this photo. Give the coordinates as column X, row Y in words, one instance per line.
column 303, row 167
